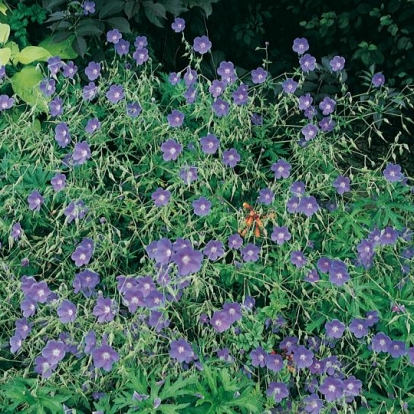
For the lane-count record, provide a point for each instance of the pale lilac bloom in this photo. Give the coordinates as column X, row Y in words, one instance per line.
column 233, row 310
column 23, row 327
column 188, row 174
column 104, row 357
column 67, row 312
column 81, row 153
column 231, row 158
column 58, row 182
column 69, row 70
column 277, row 390
column 380, row 342
column 201, row 206
column 280, row 235
column 209, row 144
column 235, row 241
column 89, row 91
column 141, row 42
column 161, row 197
column 28, row 307
column 313, row 404
column 92, row 125
column 188, row 261
column 332, row 388
column 258, row 357
column 175, row 118
column 133, row 109
column 43, row 367
column 75, row 210
column 220, row 107
column 16, row 231
column 202, row 44
column 358, row 327
column 259, row 75
column 164, row 251
column 250, row 253
column 35, row 200
column 337, row 63
column 309, row 131
column 281, row 169
column 305, row 101
column 83, row 252
column 54, row 351
column 47, row 87
column 298, row 259
column 297, row 188
column 397, row 349
column 227, row 72
column 216, row 88
column 308, row 206
column 214, row 249
column 312, row 276
column 220, row 321
column 307, row 63
column 274, row 362
column 93, row 71
column 85, row 282
column 158, row 321
column 300, row 45
column 289, row 86
column 327, row 124
column 327, row 106
column 342, row 184
column 266, row 196
column 115, row 93
column 310, row 112
column 190, row 95
column 181, row 351
column 114, row 36
column 338, row 273
column 334, row 329
column 389, row 236
column 54, row 64
column 190, row 77
column 62, row 135
column 88, row 7
column 378, row 79
column 240, row 95
column 302, row 357
column 178, row 25
column 133, row 298
column 171, row 150
column 56, row 106
column 293, row 204
column 140, row 56
column 352, row 386
column 324, row 264
column 104, row 310
column 15, row 342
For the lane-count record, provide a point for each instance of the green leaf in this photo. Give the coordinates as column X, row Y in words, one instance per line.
column 32, row 53
column 131, row 8
column 5, row 54
column 90, row 27
column 120, row 23
column 62, row 49
column 79, row 45
column 26, row 85
column 4, row 32
column 3, row 8
column 111, row 8
column 154, row 12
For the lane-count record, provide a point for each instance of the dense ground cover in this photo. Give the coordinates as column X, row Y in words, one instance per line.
column 173, row 244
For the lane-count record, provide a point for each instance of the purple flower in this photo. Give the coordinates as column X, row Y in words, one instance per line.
column 327, row 124
column 313, row 404
column 93, row 70
column 133, row 109
column 90, row 342
column 15, row 343
column 209, row 144
column 28, row 307
column 92, row 126
column 342, row 184
column 23, row 327
column 190, row 77
column 16, row 231
column 214, row 249
column 35, row 200
column 240, row 95
column 224, row 355
column 158, row 321
column 89, row 91
column 141, row 42
column 298, row 259
column 104, row 310
column 274, row 362
column 227, row 72
column 297, row 188
column 188, row 174
column 231, row 158
column 220, row 107
column 292, row 205
column 233, row 310
column 250, row 253
column 202, row 44
column 324, row 264
column 104, row 357
column 133, row 298
column 81, row 153
column 352, row 386
column 122, row 47
column 216, row 88
column 309, row 132
column 187, row 260
column 75, row 210
column 114, row 36
column 397, row 349
column 249, row 302
column 332, row 388
column 56, row 107
column 338, row 273
column 380, row 342
column 5, row 102
column 235, row 241
column 392, row 173
column 300, row 45
column 181, row 351
column 220, row 321
column 175, row 118
column 83, row 252
column 358, row 327
column 54, row 64
column 289, row 86
column 281, row 169
column 259, row 75
column 327, row 106
column 164, row 251
column 115, row 93
column 201, row 206
column 141, row 56
column 58, row 182
column 337, row 63
column 85, row 282
column 302, row 357
column 67, row 312
column 190, row 95
column 256, row 119
column 2, row 71
column 312, row 276
column 47, row 87
column 258, row 357
column 280, row 235
column 178, row 25
column 305, row 101
column 54, row 352
column 88, row 7
column 371, row 318
column 308, row 206
column 277, row 390
column 161, row 197
column 266, row 196
column 69, row 70
column 43, row 367
column 378, row 79
column 307, row 63
column 389, row 236
column 334, row 329
column 62, row 135
column 171, row 149
column 310, row 112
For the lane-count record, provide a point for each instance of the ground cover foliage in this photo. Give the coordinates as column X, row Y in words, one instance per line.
column 172, row 244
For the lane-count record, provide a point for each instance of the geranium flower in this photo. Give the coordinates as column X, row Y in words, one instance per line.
column 227, row 72
column 67, row 312
column 175, row 118
column 300, row 45
column 104, row 310
column 277, row 390
column 113, row 36
column 235, row 241
column 220, row 107
column 280, row 235
column 220, row 321
column 309, row 131
column 58, row 182
column 231, row 158
column 187, row 260
column 47, row 87
column 141, row 56
column 93, row 71
column 178, row 25
column 250, row 253
column 161, row 197
column 214, row 249
column 209, row 144
column 43, row 367
column 104, row 357
column 115, row 93
column 307, row 63
column 289, row 86
column 334, row 329
column 202, row 44
column 171, row 150
column 54, row 352
column 181, row 351
column 337, row 63
column 378, row 79
column 69, row 70
column 342, row 184
column 331, row 388
column 327, row 106
column 85, row 282
column 358, row 327
column 81, row 153
column 201, row 206
column 281, row 169
column 141, row 42
column 35, row 200
column 259, row 75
